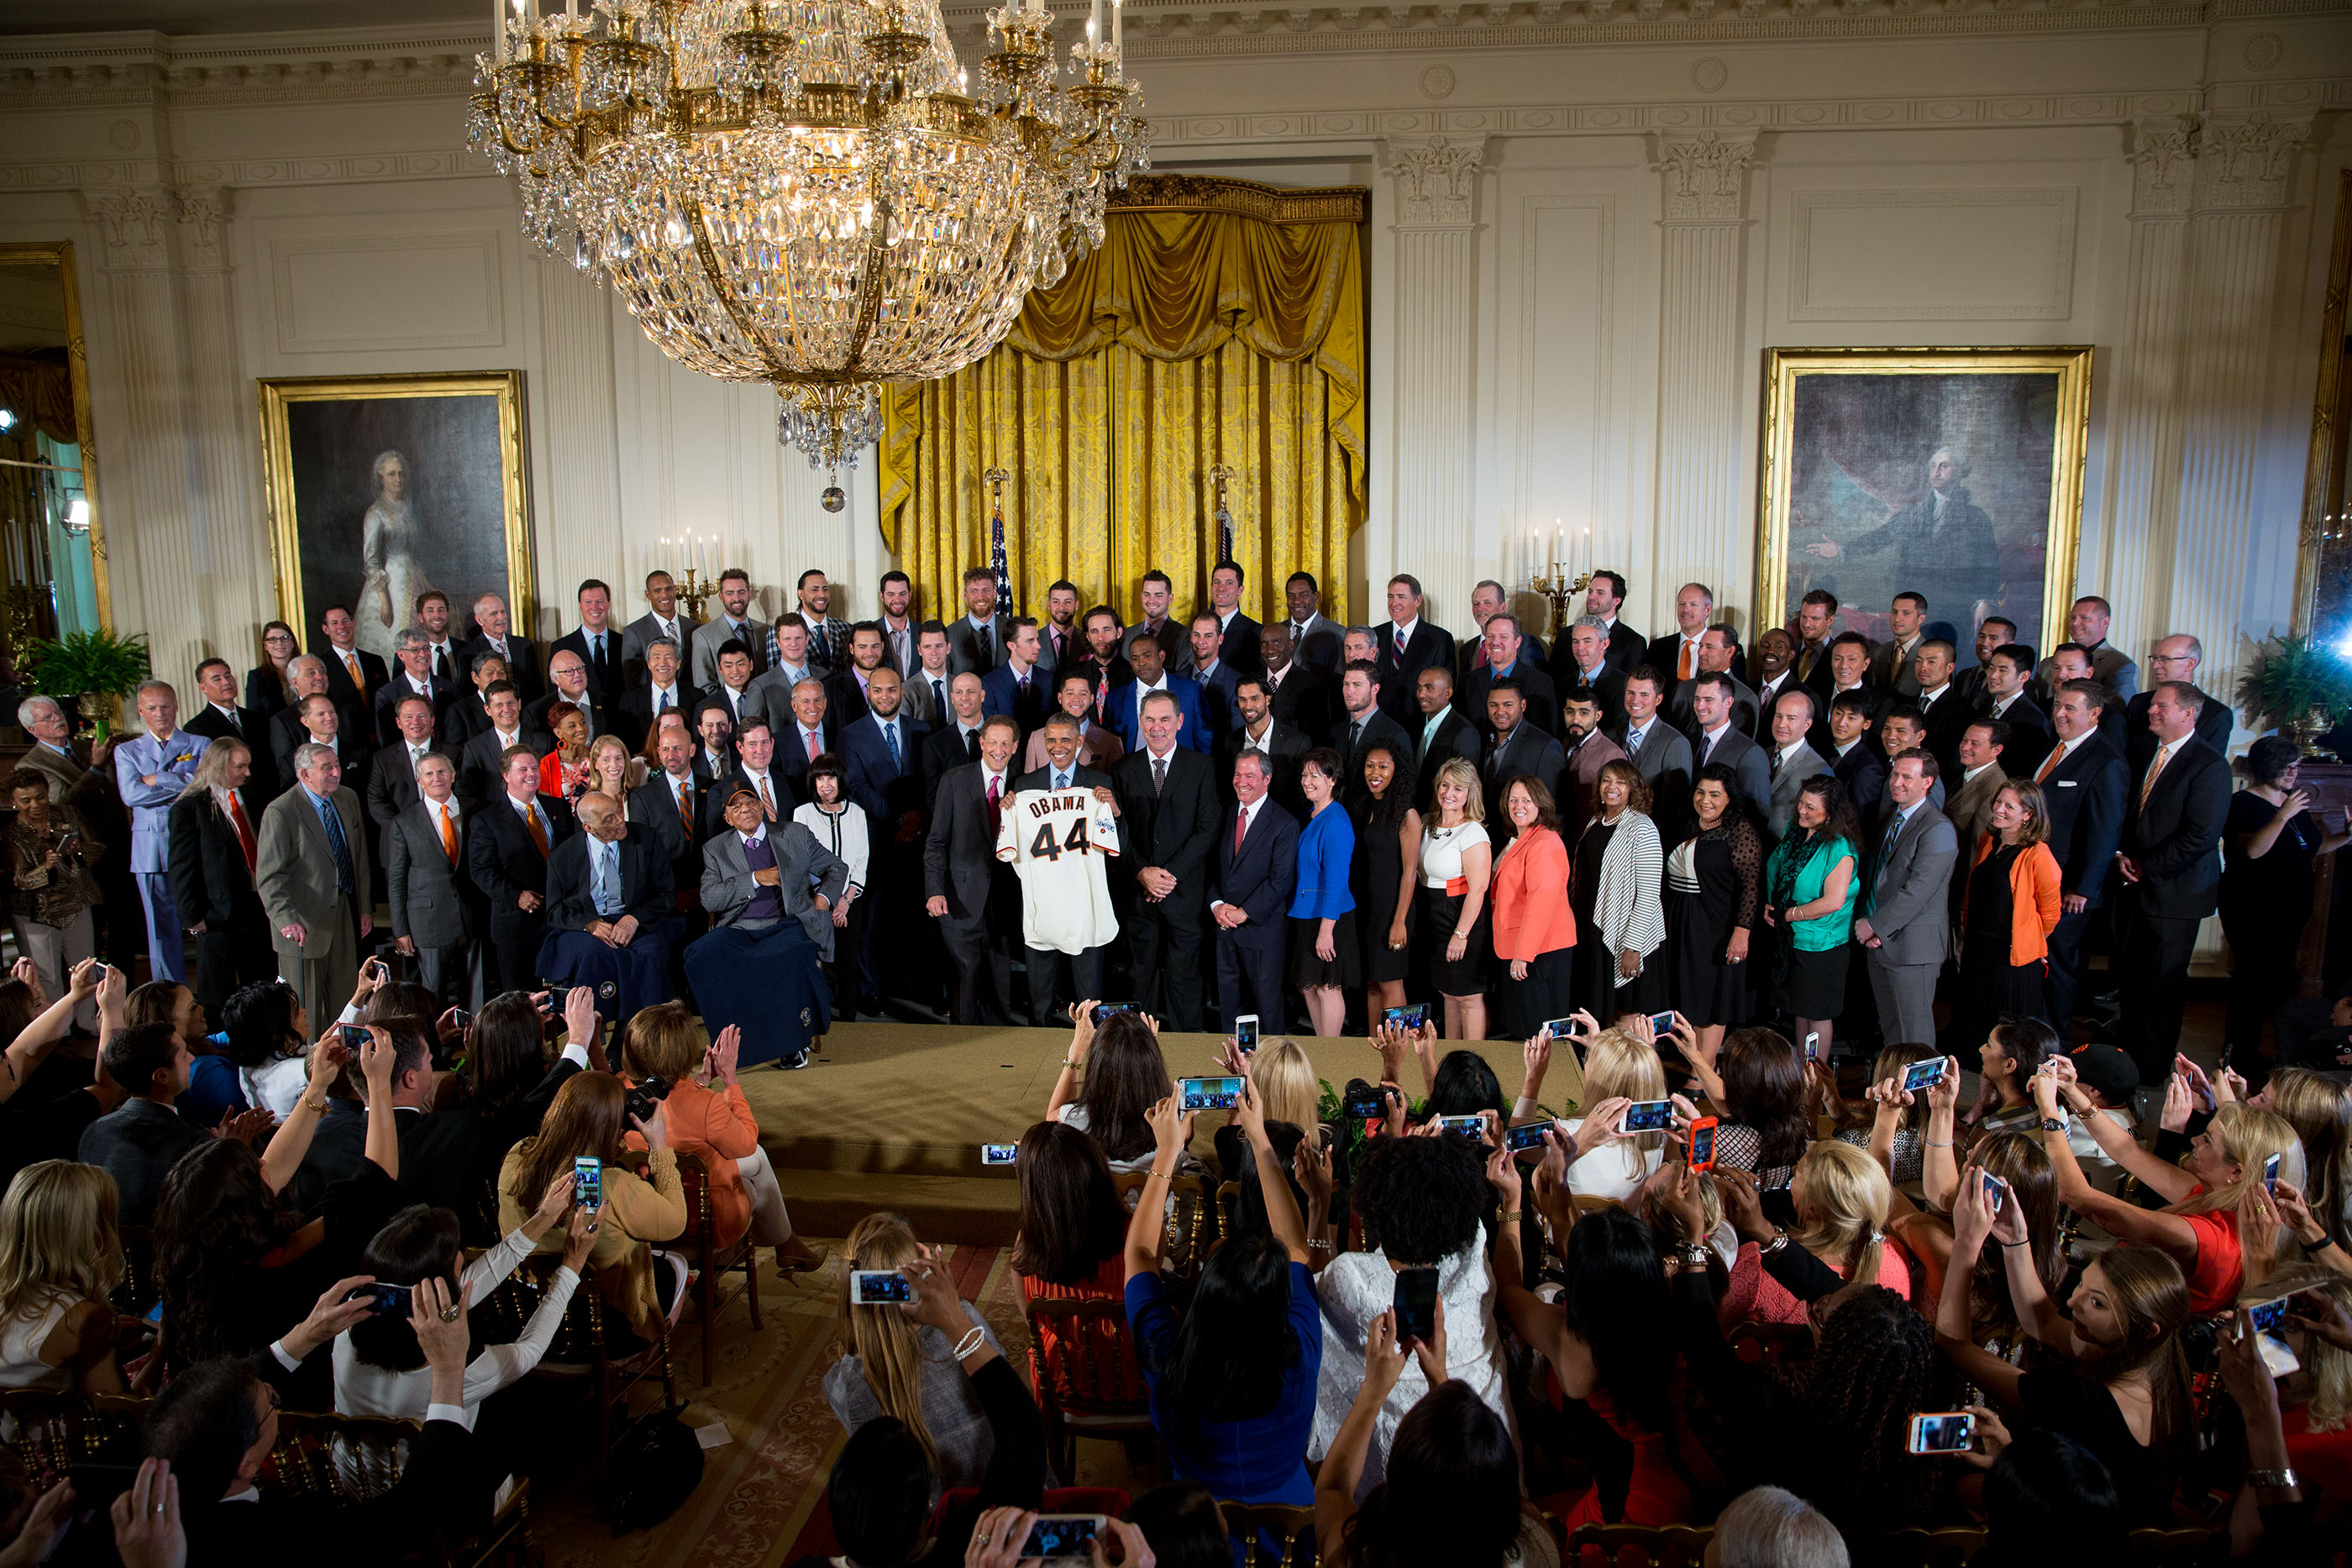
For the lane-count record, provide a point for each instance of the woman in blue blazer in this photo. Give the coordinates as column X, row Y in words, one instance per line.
column 1326, row 960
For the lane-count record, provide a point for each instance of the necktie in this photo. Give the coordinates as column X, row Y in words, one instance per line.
column 1158, row 776
column 1775, row 770
column 538, row 830
column 244, row 833
column 1706, row 744
column 1061, row 780
column 1241, row 829
column 597, row 647
column 661, row 703
column 817, row 644
column 415, row 759
column 1634, row 741
column 449, row 834
column 1805, row 665
column 890, row 734
column 333, row 821
column 939, row 698
column 767, row 800
column 984, row 647
column 1102, row 695
column 441, row 660
column 2155, row 767
column 2057, row 755
column 972, row 745
column 1355, row 735
column 596, row 894
column 1399, row 642
column 351, row 662
column 686, row 806
column 995, row 804
column 810, row 738
column 1683, row 662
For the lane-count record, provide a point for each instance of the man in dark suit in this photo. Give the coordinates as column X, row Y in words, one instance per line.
column 956, row 741
column 1251, row 875
column 2174, row 658
column 1904, row 924
column 214, row 854
column 1156, row 595
column 415, row 678
column 1407, row 645
column 1816, row 620
column 609, row 899
column 2072, row 662
column 1718, row 652
column 514, row 833
column 1507, row 658
column 1237, row 634
column 1443, row 729
column 1717, row 741
column 1946, row 713
column 1848, row 675
column 1081, row 973
column 221, row 718
column 1021, row 688
column 1314, row 636
column 493, row 635
column 1363, row 721
column 481, row 766
column 1993, row 631
column 2171, row 857
column 1674, row 657
column 1151, row 673
column 759, row 769
column 1605, row 596
column 468, row 715
column 2030, row 735
column 1168, row 821
column 663, row 621
column 1776, row 672
column 392, row 773
column 597, row 642
column 317, row 719
column 2082, row 784
column 1585, row 749
column 668, row 806
column 567, row 675
column 977, row 639
column 1214, row 676
column 662, row 690
column 802, row 734
column 1852, row 757
column 1890, row 666
column 1303, row 696
column 1588, row 671
column 1516, row 746
column 354, row 674
column 884, row 753
column 861, row 654
column 438, row 915
column 306, row 677
column 1283, row 746
column 1101, row 657
column 975, row 897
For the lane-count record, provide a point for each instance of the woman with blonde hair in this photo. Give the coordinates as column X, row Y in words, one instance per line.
column 588, row 1120
column 1616, row 1066
column 2319, row 1109
column 1457, row 860
column 1621, row 917
column 2219, row 1224
column 891, row 1365
column 60, row 1258
column 611, row 770
column 2319, row 1424
column 708, row 1117
column 1287, row 1087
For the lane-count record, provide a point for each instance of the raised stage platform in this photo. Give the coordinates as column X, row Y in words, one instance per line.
column 892, row 1115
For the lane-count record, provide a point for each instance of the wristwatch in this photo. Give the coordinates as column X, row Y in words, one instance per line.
column 1693, row 1256
column 2280, row 1480
column 2053, row 1123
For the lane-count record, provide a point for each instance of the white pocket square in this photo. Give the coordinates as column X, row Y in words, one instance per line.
column 2066, row 783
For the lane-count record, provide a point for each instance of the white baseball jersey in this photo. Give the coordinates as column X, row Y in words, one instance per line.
column 1057, row 839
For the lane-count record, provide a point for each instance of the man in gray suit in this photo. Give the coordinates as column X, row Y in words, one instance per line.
column 663, row 621
column 977, row 640
column 1793, row 760
column 1905, row 927
column 1716, row 741
column 733, row 624
column 1315, row 637
column 755, row 877
column 437, row 912
column 1659, row 751
column 312, row 875
column 1718, row 647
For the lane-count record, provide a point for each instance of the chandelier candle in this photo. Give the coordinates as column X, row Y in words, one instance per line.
column 799, row 192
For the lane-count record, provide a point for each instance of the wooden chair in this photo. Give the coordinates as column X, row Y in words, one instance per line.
column 1949, row 1547
column 1591, row 1203
column 1656, row 1545
column 698, row 1246
column 1191, row 1211
column 1251, row 1523
column 2190, row 1547
column 47, row 1428
column 582, row 1353
column 349, row 1458
column 1089, row 1383
column 137, row 1292
column 1229, row 1197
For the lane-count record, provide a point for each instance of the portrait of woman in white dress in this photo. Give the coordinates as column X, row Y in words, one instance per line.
column 389, row 538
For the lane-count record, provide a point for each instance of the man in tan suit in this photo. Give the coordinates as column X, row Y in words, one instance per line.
column 313, row 878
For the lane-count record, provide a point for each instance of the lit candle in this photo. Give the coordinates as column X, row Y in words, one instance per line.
column 1094, row 21
column 1118, row 30
column 497, row 31
column 1588, row 552
column 1090, row 32
column 1559, row 542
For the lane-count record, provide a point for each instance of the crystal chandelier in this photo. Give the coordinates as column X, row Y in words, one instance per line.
column 802, row 192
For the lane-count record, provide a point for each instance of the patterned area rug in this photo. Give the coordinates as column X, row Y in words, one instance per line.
column 760, row 1488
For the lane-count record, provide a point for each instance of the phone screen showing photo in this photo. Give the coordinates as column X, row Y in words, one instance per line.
column 1649, row 1115
column 1949, row 1432
column 879, row 1287
column 1923, row 1074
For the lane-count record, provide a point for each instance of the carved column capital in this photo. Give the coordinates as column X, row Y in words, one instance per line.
column 2246, row 159
column 134, row 229
column 1437, row 179
column 200, row 214
column 2164, row 168
column 1706, row 174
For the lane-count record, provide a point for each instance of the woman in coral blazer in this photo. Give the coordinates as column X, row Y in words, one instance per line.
column 1535, row 931
column 2007, row 913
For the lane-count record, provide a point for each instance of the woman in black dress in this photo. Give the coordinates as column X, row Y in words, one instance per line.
column 1384, row 871
column 1715, row 896
column 267, row 691
column 2274, row 836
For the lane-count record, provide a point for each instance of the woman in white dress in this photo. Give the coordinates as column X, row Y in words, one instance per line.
column 388, row 540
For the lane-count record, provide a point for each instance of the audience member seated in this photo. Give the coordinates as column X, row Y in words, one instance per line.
column 2047, row 1499
column 1452, row 1491
column 1232, row 1378
column 1288, row 1086
column 51, row 1094
column 1617, row 1067
column 1889, row 1123
column 339, row 1143
column 380, row 1367
column 2319, row 1427
column 913, row 1369
column 211, row 1431
column 886, row 1483
column 232, row 1263
column 1757, row 1087
column 1109, row 1080
column 1072, row 1227
column 2319, row 1109
column 2020, row 1164
column 140, row 1142
column 1180, row 1521
column 60, row 1258
column 261, row 1058
column 587, row 1121
column 610, row 910
column 1841, row 1198
column 1768, row 1528
column 769, row 889
column 2012, row 1052
column 707, row 1117
column 502, row 1095
column 1420, row 1199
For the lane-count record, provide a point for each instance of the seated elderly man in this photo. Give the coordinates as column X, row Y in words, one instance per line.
column 611, row 911
column 769, row 889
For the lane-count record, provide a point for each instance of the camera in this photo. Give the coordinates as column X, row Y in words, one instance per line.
column 645, row 1098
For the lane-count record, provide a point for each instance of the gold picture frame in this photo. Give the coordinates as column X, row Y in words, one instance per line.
column 1851, row 498
column 59, row 255
column 342, row 530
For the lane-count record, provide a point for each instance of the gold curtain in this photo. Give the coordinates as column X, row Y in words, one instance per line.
column 1221, row 323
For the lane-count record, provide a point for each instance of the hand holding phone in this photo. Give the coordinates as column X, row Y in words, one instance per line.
column 1416, row 1305
column 1943, row 1432
column 1923, row 1074
column 1701, row 1144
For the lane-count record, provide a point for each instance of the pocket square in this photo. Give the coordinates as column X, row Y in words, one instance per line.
column 2066, row 783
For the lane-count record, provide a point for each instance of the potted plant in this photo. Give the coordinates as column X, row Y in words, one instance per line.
column 96, row 669
column 2297, row 685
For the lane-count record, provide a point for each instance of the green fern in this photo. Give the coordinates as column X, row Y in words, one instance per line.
column 2289, row 676
column 82, row 661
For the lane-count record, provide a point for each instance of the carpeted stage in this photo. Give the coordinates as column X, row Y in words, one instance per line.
column 892, row 1115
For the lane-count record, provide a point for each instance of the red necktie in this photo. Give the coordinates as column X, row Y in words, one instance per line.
column 1241, row 829
column 244, row 833
column 686, row 806
column 995, row 804
column 811, row 746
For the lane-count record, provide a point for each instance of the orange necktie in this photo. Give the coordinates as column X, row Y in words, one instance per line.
column 2057, row 755
column 1682, row 664
column 686, row 806
column 449, row 834
column 2155, row 767
column 351, row 662
column 538, row 830
column 767, row 801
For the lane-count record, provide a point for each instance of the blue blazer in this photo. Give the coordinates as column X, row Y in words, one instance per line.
column 885, row 792
column 1119, row 716
column 1000, row 695
column 1219, row 704
column 1326, row 846
column 170, row 762
column 1260, row 879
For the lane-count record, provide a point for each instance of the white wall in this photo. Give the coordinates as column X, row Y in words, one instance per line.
column 1587, row 229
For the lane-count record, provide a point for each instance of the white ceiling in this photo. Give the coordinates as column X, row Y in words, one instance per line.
column 184, row 16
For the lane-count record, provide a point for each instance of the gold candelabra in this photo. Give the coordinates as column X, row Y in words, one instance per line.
column 1559, row 589
column 693, row 588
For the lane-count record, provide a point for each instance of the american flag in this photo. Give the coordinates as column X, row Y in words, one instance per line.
column 996, row 553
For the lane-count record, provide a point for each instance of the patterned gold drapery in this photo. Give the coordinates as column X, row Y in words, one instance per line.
column 1221, row 323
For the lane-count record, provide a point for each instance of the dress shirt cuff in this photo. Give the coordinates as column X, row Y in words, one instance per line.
column 278, row 1349
column 576, row 1054
column 457, row 1413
